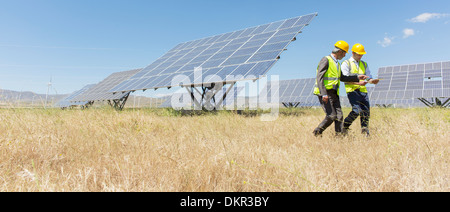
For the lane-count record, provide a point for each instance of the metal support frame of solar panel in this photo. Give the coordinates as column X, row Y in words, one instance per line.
column 423, row 81
column 100, row 91
column 245, row 54
column 228, row 102
column 216, row 97
column 209, row 97
column 66, row 102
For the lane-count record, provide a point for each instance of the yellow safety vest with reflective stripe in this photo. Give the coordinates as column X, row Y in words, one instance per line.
column 331, row 77
column 355, row 70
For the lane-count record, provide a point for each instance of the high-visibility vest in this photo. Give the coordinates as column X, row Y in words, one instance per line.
column 354, row 70
column 331, row 77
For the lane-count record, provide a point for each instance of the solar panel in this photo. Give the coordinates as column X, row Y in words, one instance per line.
column 412, row 85
column 100, row 92
column 428, row 80
column 66, row 102
column 245, row 54
column 402, row 103
column 298, row 92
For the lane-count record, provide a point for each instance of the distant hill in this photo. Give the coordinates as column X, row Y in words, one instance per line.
column 25, row 95
column 30, row 99
column 27, row 98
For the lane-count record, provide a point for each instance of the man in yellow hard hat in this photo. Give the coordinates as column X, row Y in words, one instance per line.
column 327, row 86
column 357, row 91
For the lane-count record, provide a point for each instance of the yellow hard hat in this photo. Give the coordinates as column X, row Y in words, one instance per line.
column 342, row 45
column 359, row 49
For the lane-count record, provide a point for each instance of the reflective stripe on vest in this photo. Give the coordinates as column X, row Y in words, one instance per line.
column 355, row 70
column 331, row 78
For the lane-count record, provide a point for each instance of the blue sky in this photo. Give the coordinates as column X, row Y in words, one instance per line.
column 80, row 42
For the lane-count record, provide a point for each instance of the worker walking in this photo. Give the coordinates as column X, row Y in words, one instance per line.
column 357, row 91
column 327, row 86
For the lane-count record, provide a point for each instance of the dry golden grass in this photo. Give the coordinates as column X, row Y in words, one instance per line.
column 147, row 150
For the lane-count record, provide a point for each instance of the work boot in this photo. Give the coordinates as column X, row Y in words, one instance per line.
column 317, row 132
column 339, row 135
column 365, row 131
column 345, row 131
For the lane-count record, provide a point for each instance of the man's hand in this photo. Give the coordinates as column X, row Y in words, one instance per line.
column 362, row 77
column 325, row 99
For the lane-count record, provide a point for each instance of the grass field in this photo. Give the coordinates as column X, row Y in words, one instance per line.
column 162, row 150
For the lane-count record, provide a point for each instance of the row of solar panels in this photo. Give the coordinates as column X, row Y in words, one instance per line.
column 401, row 86
column 414, row 81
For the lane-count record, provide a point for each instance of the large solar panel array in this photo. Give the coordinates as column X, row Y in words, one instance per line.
column 409, row 82
column 67, row 101
column 245, row 54
column 101, row 92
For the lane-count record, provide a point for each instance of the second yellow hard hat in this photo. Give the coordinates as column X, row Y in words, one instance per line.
column 359, row 49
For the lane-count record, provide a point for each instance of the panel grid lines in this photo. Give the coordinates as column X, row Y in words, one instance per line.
column 426, row 80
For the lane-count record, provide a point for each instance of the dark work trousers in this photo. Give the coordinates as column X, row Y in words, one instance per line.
column 360, row 107
column 333, row 112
